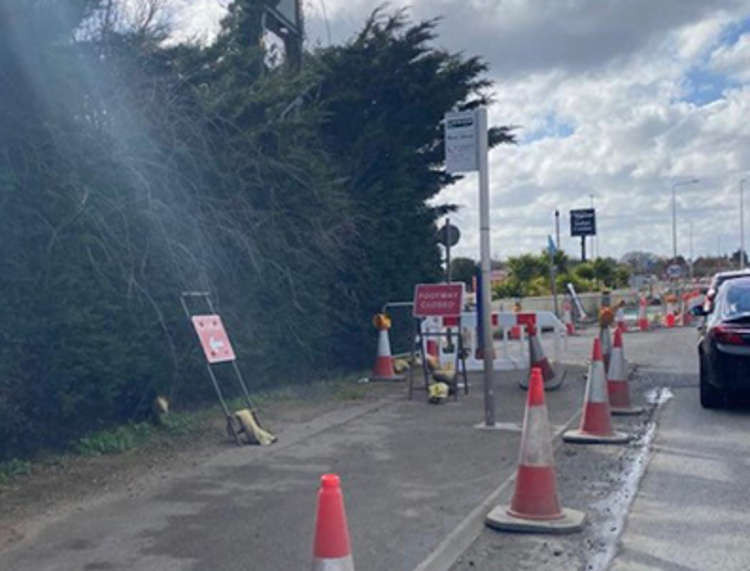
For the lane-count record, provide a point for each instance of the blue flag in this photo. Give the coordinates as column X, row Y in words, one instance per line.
column 551, row 248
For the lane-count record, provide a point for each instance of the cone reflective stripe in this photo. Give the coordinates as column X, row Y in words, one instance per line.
column 535, row 506
column 617, row 381
column 606, row 345
column 383, row 369
column 536, row 355
column 642, row 319
column 331, row 548
column 596, row 422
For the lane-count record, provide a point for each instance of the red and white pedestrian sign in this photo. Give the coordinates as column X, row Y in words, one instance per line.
column 213, row 338
column 444, row 300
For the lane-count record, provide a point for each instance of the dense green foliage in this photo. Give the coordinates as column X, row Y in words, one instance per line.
column 131, row 171
column 530, row 275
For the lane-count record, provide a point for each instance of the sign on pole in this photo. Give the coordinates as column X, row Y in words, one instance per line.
column 460, row 141
column 438, row 300
column 583, row 222
column 213, row 338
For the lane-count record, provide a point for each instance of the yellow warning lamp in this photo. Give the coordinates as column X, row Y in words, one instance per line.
column 381, row 321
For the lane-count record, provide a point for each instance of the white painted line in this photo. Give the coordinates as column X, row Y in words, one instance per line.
column 617, row 505
column 463, row 535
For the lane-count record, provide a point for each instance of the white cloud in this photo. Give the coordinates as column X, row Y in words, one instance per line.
column 733, row 60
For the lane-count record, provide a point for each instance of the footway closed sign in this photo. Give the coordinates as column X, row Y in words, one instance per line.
column 444, row 300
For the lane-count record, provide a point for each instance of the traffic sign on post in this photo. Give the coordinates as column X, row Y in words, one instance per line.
column 466, row 149
column 460, row 141
column 583, row 222
column 438, row 300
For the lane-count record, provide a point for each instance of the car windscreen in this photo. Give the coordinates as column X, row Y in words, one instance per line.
column 737, row 300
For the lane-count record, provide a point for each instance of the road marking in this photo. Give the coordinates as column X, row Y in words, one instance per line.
column 465, row 533
column 617, row 504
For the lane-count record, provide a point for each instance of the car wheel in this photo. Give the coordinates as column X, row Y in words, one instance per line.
column 711, row 397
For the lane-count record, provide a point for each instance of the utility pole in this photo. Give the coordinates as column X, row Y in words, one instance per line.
column 557, row 228
column 691, row 250
column 742, row 225
column 674, row 213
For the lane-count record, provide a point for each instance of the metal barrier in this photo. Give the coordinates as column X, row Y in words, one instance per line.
column 509, row 354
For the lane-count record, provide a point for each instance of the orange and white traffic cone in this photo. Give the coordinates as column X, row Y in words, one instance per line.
column 617, row 381
column 331, row 548
column 535, row 506
column 570, row 326
column 596, row 423
column 383, row 369
column 537, row 357
column 642, row 318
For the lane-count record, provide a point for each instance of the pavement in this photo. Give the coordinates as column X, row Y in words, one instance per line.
column 418, row 480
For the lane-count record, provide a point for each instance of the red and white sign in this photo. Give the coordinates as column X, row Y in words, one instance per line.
column 213, row 338
column 444, row 300
column 528, row 319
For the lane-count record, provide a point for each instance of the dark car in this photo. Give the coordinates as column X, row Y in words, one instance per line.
column 716, row 282
column 724, row 344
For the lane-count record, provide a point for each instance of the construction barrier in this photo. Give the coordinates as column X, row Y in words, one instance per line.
column 509, row 354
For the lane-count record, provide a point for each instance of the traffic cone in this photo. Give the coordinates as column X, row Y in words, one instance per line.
column 570, row 326
column 537, row 357
column 642, row 318
column 617, row 381
column 535, row 506
column 606, row 341
column 596, row 423
column 383, row 369
column 331, row 549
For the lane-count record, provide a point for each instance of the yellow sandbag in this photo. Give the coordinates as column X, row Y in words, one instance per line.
column 400, row 366
column 437, row 393
column 250, row 426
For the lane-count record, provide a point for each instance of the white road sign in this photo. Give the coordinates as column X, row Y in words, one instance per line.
column 460, row 141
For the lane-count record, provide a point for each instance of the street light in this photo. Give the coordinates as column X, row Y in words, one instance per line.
column 742, row 226
column 674, row 213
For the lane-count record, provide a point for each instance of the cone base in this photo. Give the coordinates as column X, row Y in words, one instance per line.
column 626, row 410
column 581, row 437
column 392, row 378
column 570, row 522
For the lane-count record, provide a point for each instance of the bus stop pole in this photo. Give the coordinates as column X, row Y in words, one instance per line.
column 484, row 243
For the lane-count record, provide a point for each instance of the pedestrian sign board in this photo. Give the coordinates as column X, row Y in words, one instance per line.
column 213, row 338
column 583, row 222
column 460, row 141
column 674, row 271
column 439, row 300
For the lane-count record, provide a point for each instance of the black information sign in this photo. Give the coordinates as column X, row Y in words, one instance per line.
column 583, row 222
column 448, row 235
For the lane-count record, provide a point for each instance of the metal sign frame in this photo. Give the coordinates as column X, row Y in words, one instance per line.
column 232, row 429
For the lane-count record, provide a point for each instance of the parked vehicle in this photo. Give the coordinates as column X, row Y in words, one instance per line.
column 716, row 282
column 724, row 343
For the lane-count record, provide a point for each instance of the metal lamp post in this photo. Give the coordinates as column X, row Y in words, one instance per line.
column 743, row 261
column 674, row 212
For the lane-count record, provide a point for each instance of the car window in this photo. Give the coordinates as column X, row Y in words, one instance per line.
column 737, row 299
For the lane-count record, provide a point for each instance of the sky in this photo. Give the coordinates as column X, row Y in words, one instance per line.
column 619, row 99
